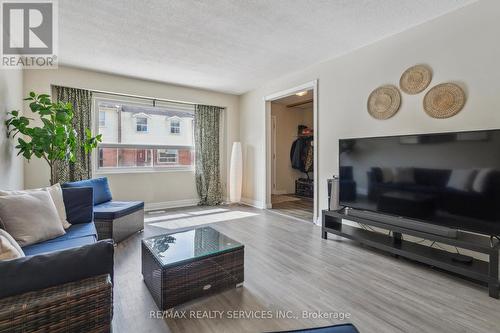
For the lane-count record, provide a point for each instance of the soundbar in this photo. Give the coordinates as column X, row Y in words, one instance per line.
column 404, row 222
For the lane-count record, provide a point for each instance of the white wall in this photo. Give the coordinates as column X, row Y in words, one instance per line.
column 461, row 47
column 11, row 98
column 162, row 187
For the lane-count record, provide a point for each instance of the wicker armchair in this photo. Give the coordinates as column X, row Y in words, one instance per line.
column 81, row 306
column 63, row 284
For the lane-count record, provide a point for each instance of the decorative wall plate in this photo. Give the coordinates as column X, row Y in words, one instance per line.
column 384, row 102
column 444, row 100
column 415, row 79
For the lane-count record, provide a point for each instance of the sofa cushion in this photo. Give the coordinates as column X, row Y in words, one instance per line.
column 76, row 235
column 56, row 195
column 79, row 204
column 102, row 193
column 114, row 209
column 77, row 231
column 461, row 179
column 404, row 175
column 41, row 271
column 432, row 177
column 481, row 180
column 46, row 247
column 387, row 175
column 9, row 249
column 376, row 175
column 30, row 218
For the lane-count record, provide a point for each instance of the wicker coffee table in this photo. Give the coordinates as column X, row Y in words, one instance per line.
column 183, row 266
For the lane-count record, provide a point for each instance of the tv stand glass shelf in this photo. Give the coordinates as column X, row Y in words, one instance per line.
column 479, row 270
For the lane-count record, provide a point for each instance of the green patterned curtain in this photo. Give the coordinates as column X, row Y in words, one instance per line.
column 81, row 100
column 207, row 164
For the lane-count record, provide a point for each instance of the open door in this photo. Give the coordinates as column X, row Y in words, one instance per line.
column 292, row 155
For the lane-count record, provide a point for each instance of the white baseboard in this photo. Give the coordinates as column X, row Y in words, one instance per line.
column 170, row 204
column 280, row 192
column 318, row 221
column 253, row 203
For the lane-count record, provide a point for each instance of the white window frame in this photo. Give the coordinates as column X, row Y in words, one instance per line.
column 179, row 121
column 166, row 151
column 140, row 117
column 102, row 122
column 125, row 170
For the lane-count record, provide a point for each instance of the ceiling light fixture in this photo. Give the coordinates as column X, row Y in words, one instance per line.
column 302, row 93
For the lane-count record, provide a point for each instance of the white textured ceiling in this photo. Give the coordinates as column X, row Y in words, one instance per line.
column 227, row 45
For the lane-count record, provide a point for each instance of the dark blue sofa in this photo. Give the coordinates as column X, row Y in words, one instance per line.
column 433, row 182
column 113, row 219
column 56, row 273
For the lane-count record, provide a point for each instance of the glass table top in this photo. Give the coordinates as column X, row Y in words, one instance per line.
column 175, row 248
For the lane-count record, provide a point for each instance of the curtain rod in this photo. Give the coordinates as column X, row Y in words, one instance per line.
column 129, row 95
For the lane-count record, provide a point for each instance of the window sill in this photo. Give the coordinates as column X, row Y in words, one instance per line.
column 140, row 171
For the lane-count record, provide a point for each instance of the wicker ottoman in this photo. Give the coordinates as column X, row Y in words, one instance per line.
column 120, row 228
column 183, row 266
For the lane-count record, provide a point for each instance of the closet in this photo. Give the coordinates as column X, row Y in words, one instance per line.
column 293, row 156
column 302, row 159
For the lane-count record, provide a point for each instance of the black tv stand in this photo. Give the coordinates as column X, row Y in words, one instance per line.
column 483, row 271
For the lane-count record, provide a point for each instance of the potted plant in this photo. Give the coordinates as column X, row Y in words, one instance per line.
column 54, row 139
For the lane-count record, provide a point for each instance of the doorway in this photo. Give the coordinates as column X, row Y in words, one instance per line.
column 292, row 153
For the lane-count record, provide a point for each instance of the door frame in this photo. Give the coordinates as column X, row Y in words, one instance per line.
column 273, row 154
column 267, row 181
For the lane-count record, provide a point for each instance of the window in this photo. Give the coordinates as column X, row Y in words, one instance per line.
column 175, row 126
column 134, row 136
column 168, row 156
column 141, row 124
column 102, row 119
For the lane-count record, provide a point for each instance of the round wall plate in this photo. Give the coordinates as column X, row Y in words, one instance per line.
column 444, row 100
column 415, row 79
column 384, row 102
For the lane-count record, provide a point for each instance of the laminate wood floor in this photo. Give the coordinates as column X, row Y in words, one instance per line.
column 300, row 208
column 289, row 267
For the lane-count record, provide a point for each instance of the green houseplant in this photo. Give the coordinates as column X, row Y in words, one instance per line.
column 54, row 139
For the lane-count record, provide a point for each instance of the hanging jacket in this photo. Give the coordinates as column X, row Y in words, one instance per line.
column 292, row 152
column 296, row 154
column 301, row 154
column 309, row 158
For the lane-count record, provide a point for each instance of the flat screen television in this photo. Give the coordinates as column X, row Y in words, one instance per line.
column 447, row 179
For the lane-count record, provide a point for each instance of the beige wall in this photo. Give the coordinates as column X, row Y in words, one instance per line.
column 460, row 47
column 287, row 120
column 169, row 188
column 11, row 98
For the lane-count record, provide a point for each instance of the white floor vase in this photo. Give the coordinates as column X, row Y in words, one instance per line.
column 236, row 173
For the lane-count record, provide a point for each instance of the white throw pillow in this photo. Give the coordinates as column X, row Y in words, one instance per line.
column 56, row 194
column 9, row 249
column 30, row 218
column 404, row 175
column 461, row 179
column 481, row 180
